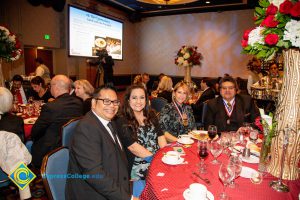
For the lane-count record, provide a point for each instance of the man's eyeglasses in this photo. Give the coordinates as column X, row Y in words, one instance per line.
column 228, row 88
column 108, row 102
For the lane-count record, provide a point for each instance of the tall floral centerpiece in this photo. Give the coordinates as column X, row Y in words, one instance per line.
column 10, row 48
column 278, row 31
column 187, row 57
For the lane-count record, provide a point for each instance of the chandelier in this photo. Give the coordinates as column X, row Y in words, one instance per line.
column 167, row 2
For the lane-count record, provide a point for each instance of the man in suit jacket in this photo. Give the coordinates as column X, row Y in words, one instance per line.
column 46, row 131
column 96, row 152
column 208, row 93
column 230, row 110
column 21, row 93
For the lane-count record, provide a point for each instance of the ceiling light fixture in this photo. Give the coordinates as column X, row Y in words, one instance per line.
column 167, row 2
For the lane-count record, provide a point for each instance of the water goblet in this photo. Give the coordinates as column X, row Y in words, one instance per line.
column 236, row 165
column 226, row 174
column 216, row 150
column 225, row 141
column 212, row 131
column 29, row 110
column 202, row 151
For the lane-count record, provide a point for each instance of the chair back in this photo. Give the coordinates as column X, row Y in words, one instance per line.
column 158, row 103
column 67, row 131
column 4, row 180
column 55, row 163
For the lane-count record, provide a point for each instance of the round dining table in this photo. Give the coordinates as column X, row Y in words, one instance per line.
column 169, row 182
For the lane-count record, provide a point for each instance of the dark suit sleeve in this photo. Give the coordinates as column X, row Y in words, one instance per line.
column 42, row 123
column 209, row 116
column 87, row 147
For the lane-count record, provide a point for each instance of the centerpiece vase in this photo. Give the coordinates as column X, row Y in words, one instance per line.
column 187, row 76
column 1, row 75
column 288, row 115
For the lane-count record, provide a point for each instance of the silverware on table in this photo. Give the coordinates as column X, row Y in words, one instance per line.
column 206, row 180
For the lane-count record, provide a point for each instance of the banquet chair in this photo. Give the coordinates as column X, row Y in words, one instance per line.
column 56, row 162
column 4, row 180
column 158, row 103
column 67, row 131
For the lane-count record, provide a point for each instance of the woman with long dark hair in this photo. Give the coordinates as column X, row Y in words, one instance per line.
column 142, row 136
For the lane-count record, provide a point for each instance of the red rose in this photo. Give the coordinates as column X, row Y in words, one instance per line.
column 270, row 21
column 244, row 43
column 271, row 39
column 271, row 10
column 246, row 34
column 285, row 7
column 295, row 11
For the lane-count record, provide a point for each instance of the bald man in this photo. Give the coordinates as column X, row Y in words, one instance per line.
column 46, row 131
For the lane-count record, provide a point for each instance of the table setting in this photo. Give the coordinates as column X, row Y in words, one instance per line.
column 212, row 167
column 29, row 112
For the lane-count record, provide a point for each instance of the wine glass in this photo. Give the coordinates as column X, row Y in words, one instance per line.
column 236, row 165
column 29, row 110
column 226, row 174
column 225, row 141
column 216, row 150
column 212, row 131
column 202, row 150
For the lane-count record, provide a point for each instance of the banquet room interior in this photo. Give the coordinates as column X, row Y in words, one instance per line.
column 151, row 35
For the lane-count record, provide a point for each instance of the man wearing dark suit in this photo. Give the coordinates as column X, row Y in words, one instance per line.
column 230, row 110
column 96, row 151
column 208, row 93
column 46, row 131
column 21, row 93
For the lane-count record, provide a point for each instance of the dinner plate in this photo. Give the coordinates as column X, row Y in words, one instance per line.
column 250, row 159
column 100, row 42
column 30, row 120
column 186, row 195
column 247, row 172
column 199, row 134
column 164, row 160
column 189, row 142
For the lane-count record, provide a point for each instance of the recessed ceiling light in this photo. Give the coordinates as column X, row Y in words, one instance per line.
column 207, row 2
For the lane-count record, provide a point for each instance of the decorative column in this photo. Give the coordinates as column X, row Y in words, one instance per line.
column 288, row 115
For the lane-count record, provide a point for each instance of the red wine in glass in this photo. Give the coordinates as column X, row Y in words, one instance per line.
column 212, row 134
column 203, row 152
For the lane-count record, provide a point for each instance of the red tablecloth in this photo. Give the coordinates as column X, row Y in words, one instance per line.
column 177, row 178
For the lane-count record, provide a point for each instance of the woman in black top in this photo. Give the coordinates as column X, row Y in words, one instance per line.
column 41, row 92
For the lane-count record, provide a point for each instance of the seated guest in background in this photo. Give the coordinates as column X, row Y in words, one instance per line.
column 142, row 135
column 41, row 90
column 230, row 110
column 165, row 88
column 208, row 93
column 145, row 82
column 84, row 90
column 155, row 83
column 42, row 70
column 216, row 87
column 273, row 71
column 254, row 68
column 9, row 122
column 96, row 151
column 46, row 131
column 138, row 79
column 177, row 118
column 18, row 91
column 242, row 87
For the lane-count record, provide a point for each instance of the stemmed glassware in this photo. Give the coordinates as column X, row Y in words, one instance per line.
column 236, row 165
column 212, row 131
column 225, row 141
column 202, row 151
column 226, row 174
column 216, row 150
